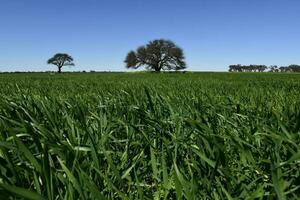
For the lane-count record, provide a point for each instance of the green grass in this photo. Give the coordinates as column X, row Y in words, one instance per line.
column 150, row 136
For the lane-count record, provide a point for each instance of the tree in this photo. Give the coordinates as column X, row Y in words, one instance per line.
column 60, row 60
column 157, row 55
column 235, row 68
column 294, row 68
column 283, row 69
column 262, row 68
column 274, row 68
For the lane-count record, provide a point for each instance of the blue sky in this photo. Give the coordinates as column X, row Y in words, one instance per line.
column 99, row 33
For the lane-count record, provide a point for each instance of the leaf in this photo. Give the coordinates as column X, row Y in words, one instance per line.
column 70, row 176
column 82, row 148
column 203, row 156
column 153, row 163
column 21, row 192
column 293, row 158
column 28, row 154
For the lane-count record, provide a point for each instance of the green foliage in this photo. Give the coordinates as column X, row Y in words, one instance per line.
column 157, row 55
column 60, row 60
column 261, row 68
column 150, row 136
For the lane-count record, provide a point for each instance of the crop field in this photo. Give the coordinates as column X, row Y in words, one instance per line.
column 150, row 136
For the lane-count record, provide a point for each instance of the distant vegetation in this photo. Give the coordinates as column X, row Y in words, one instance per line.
column 60, row 60
column 157, row 55
column 262, row 68
column 150, row 136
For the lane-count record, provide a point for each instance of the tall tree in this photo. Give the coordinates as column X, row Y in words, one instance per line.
column 157, row 55
column 60, row 60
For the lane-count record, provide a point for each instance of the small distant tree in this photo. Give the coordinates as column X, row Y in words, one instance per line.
column 273, row 68
column 236, row 68
column 60, row 60
column 262, row 68
column 157, row 55
column 294, row 68
column 283, row 69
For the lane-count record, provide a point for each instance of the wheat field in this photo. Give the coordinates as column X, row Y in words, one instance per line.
column 149, row 136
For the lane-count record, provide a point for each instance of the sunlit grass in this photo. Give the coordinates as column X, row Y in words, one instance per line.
column 150, row 136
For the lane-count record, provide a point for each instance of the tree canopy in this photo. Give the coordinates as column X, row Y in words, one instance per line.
column 247, row 68
column 157, row 55
column 60, row 60
column 262, row 68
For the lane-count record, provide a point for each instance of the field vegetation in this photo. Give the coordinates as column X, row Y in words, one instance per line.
column 150, row 136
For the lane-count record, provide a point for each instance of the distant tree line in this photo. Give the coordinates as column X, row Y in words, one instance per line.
column 247, row 68
column 262, row 68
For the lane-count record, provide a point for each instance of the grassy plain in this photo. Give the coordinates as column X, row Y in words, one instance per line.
column 150, row 136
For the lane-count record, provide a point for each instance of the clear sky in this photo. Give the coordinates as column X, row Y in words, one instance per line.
column 99, row 33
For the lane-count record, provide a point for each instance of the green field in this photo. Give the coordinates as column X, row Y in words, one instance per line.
column 150, row 136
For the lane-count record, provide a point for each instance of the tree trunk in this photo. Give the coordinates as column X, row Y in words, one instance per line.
column 157, row 68
column 59, row 69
